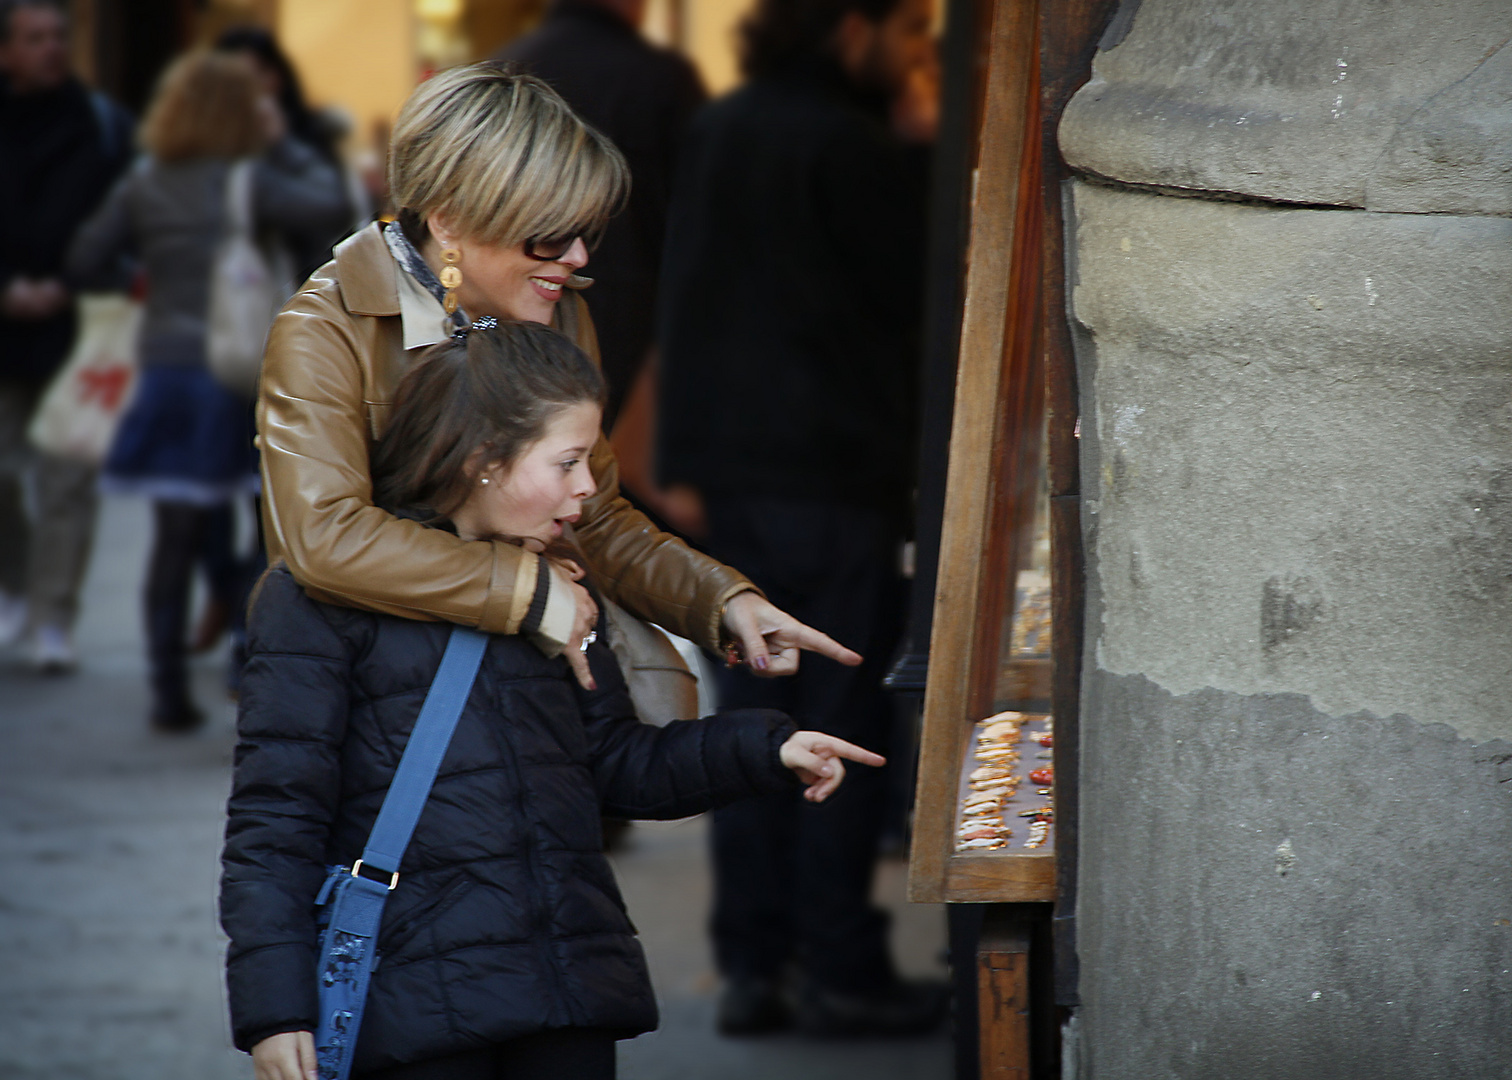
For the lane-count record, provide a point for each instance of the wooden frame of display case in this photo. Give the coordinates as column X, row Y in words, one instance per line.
column 1015, row 381
column 1012, row 454
column 993, row 466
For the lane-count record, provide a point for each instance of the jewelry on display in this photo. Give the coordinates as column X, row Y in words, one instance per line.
column 451, row 278
column 971, row 831
column 997, row 757
column 993, row 784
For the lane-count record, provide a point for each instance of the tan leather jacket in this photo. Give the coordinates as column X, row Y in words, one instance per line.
column 334, row 358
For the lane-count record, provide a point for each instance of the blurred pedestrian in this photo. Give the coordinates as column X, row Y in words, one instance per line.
column 499, row 186
column 61, row 147
column 790, row 312
column 527, row 967
column 186, row 441
column 643, row 98
column 320, row 130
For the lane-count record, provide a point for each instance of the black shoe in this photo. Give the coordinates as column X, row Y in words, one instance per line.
column 178, row 718
column 753, row 1007
column 902, row 1008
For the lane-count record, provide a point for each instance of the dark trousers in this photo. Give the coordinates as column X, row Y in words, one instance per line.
column 793, row 880
column 567, row 1054
column 186, row 536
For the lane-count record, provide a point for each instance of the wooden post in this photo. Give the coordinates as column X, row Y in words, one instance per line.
column 1003, row 1001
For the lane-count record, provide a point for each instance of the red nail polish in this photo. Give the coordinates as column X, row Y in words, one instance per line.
column 761, row 663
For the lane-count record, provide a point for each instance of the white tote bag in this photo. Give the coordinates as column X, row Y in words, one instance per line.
column 82, row 407
column 247, row 287
column 662, row 689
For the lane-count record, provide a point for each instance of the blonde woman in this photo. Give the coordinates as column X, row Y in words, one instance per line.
column 501, row 190
column 186, row 442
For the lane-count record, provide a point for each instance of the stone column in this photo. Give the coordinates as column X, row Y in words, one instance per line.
column 1291, row 272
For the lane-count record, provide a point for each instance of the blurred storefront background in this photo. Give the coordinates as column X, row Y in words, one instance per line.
column 362, row 57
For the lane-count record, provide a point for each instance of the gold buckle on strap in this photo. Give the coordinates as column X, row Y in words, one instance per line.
column 393, row 874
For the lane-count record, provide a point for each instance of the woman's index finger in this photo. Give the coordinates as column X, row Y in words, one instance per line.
column 816, row 641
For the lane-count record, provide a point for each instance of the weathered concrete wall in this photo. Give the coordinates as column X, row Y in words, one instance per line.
column 1303, row 425
column 1297, row 454
column 1402, row 105
column 1273, row 893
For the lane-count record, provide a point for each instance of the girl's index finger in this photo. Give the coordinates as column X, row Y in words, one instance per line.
column 852, row 752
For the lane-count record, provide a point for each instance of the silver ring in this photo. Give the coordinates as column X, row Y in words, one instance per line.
column 588, row 639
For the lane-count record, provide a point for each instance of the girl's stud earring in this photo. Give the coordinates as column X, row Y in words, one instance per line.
column 482, row 479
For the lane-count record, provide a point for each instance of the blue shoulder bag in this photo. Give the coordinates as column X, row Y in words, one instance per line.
column 349, row 908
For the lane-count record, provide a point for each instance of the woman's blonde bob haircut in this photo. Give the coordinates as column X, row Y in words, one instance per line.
column 502, row 159
column 206, row 106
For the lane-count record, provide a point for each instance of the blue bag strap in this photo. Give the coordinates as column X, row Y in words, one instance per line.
column 423, row 753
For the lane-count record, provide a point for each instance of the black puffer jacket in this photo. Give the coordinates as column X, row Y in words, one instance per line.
column 506, row 919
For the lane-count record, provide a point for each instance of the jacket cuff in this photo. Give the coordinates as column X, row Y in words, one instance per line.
column 247, row 1041
column 511, row 588
column 558, row 612
column 271, row 990
column 755, row 766
column 715, row 628
column 537, row 610
column 783, row 777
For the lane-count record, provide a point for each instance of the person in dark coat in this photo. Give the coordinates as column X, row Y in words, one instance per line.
column 505, row 948
column 790, row 316
column 61, row 147
column 643, row 98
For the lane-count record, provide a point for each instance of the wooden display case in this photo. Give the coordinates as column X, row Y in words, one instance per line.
column 1000, row 490
column 996, row 512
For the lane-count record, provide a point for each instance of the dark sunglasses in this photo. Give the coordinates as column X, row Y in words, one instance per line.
column 553, row 248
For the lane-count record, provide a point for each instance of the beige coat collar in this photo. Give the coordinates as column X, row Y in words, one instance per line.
column 373, row 283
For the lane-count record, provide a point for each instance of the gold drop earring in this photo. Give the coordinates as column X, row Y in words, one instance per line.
column 451, row 278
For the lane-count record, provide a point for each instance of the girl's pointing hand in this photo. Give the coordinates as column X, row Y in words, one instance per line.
column 816, row 758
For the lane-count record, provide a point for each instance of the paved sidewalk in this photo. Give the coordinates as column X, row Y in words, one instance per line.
column 109, row 837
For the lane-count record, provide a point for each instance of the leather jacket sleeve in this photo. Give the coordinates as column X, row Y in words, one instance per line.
column 314, row 434
column 652, row 574
column 317, row 505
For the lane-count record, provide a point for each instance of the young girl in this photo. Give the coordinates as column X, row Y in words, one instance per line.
column 505, row 949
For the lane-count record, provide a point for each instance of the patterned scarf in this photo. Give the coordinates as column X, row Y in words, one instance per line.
column 417, row 268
